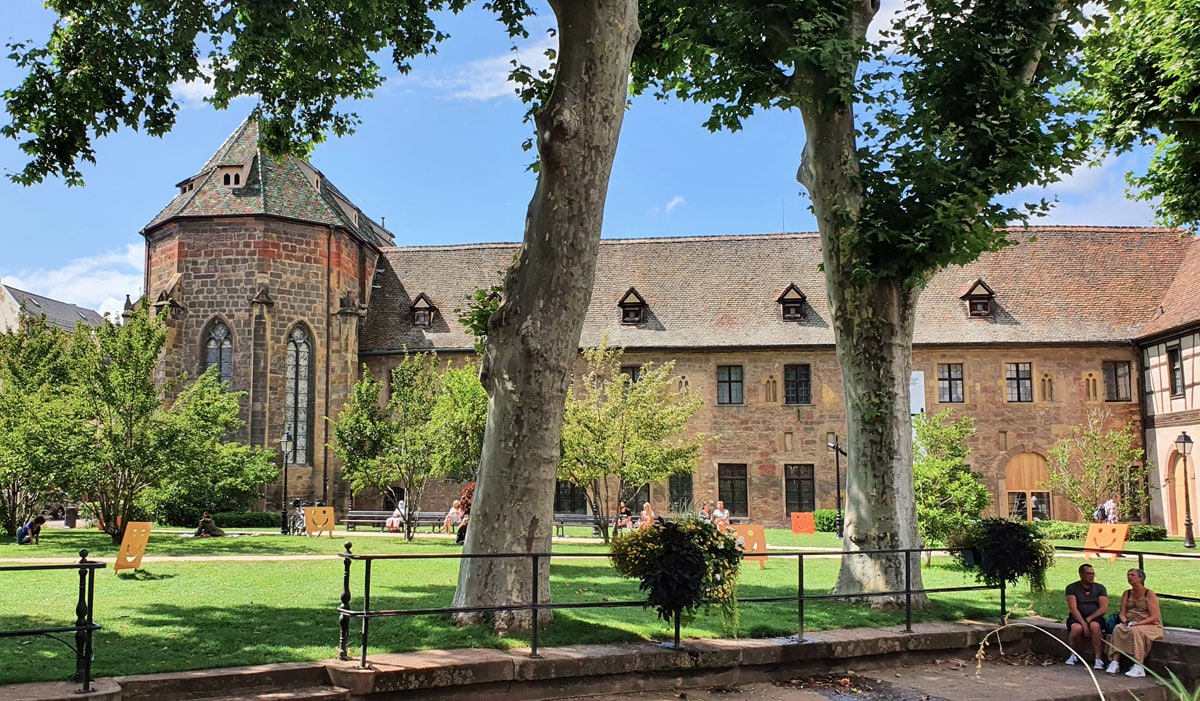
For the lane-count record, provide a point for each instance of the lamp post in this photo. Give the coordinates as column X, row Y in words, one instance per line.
column 1183, row 445
column 285, row 448
column 838, row 452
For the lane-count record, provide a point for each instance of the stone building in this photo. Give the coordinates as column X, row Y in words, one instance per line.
column 16, row 303
column 263, row 267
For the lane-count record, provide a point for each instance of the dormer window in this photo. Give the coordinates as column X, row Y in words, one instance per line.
column 423, row 312
column 980, row 300
column 186, row 186
column 633, row 307
column 792, row 303
column 231, row 176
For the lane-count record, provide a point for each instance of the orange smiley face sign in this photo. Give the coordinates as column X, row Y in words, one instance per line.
column 802, row 522
column 1105, row 539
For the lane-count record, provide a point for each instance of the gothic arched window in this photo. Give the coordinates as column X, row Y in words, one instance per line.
column 296, row 405
column 218, row 350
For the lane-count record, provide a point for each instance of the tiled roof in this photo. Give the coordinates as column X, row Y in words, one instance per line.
column 287, row 187
column 1070, row 284
column 60, row 314
column 1180, row 306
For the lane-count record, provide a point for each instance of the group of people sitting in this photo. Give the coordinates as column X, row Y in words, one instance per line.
column 719, row 516
column 1133, row 629
column 644, row 520
column 455, row 521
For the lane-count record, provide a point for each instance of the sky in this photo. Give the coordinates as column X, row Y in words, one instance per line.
column 438, row 158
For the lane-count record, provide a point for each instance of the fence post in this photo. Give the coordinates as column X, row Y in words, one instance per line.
column 800, row 597
column 1142, row 562
column 83, row 628
column 344, row 619
column 533, row 646
column 366, row 619
column 908, row 591
column 1003, row 600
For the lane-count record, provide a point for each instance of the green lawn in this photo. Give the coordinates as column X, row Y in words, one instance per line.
column 182, row 615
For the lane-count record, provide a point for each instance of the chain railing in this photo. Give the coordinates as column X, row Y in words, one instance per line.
column 84, row 608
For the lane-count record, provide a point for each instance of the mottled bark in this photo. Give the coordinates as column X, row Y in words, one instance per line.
column 873, row 327
column 533, row 338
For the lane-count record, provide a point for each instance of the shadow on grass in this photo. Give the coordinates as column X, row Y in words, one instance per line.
column 142, row 575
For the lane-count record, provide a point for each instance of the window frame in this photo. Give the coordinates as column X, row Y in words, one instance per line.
column 949, row 382
column 729, row 384
column 1023, row 379
column 299, row 386
column 795, row 478
column 734, row 489
column 1109, row 368
column 1175, row 370
column 792, row 386
column 224, row 350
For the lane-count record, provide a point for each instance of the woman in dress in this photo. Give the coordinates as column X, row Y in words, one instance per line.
column 453, row 517
column 647, row 516
column 1139, row 624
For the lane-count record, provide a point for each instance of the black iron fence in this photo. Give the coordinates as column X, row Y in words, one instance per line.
column 366, row 614
column 1141, row 560
column 84, row 625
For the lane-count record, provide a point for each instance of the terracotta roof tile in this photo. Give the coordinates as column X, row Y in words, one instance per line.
column 1071, row 284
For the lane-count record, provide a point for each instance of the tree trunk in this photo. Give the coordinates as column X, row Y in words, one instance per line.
column 873, row 327
column 533, row 338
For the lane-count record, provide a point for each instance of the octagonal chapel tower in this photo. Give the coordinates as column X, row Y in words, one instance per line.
column 263, row 268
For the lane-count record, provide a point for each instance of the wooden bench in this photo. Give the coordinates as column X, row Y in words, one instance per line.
column 561, row 521
column 434, row 519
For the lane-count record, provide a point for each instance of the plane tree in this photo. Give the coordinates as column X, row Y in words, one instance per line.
column 111, row 65
column 912, row 134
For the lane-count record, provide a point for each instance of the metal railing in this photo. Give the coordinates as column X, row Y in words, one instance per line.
column 84, row 607
column 1141, row 558
column 366, row 614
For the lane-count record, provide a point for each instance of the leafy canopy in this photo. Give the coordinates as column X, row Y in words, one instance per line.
column 1095, row 463
column 949, row 495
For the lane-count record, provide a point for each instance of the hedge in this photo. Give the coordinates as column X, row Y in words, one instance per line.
column 246, row 519
column 825, row 520
column 1072, row 530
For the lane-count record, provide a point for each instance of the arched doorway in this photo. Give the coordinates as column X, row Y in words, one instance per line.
column 1025, row 496
column 1175, row 476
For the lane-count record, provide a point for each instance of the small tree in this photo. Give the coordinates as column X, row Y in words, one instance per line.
column 619, row 434
column 1095, row 463
column 949, row 495
column 457, row 423
column 135, row 439
column 384, row 446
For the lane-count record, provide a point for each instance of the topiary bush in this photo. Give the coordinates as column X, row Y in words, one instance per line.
column 682, row 566
column 1143, row 532
column 825, row 520
column 1063, row 530
column 1010, row 550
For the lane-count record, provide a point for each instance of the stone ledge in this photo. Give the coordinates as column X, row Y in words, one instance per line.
column 208, row 682
column 102, row 690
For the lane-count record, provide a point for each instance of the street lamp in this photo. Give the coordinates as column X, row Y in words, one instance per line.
column 838, row 452
column 285, row 448
column 1183, row 445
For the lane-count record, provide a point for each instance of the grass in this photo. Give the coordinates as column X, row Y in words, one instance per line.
column 181, row 615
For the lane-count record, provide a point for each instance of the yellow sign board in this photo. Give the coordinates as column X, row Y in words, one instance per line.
column 133, row 546
column 318, row 520
column 752, row 540
column 803, row 522
column 1109, row 537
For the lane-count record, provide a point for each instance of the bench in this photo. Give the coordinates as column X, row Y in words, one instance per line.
column 434, row 519
column 561, row 521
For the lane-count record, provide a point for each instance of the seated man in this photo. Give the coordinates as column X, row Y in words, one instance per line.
column 208, row 528
column 1087, row 603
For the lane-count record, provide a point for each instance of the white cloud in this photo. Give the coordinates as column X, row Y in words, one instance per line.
column 1094, row 196
column 100, row 282
column 487, row 78
column 889, row 10
column 675, row 202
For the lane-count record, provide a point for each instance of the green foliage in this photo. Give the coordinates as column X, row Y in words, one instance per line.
column 619, row 434
column 136, row 439
column 1009, row 550
column 242, row 519
column 949, row 494
column 1144, row 71
column 36, row 436
column 825, row 520
column 481, row 304
column 682, row 565
column 1145, row 533
column 389, row 446
column 1095, row 463
column 457, row 423
column 231, row 482
column 1063, row 530
column 112, row 65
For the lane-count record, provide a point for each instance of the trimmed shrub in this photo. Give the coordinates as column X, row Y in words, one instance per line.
column 246, row 519
column 825, row 520
column 1143, row 532
column 1009, row 550
column 1062, row 530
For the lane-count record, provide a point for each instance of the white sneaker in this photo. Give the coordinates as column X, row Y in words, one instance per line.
column 1072, row 659
column 1136, row 671
column 1114, row 667
column 1098, row 664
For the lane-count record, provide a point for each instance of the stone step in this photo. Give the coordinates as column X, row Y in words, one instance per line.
column 312, row 693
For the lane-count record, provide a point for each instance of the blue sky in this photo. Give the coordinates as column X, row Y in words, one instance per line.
column 438, row 155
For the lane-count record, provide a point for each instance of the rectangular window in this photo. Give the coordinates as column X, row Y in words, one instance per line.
column 797, row 384
column 1117, row 382
column 680, row 493
column 569, row 498
column 950, row 383
column 1018, row 378
column 799, row 488
column 631, row 371
column 731, row 489
column 1175, row 361
column 729, row 384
